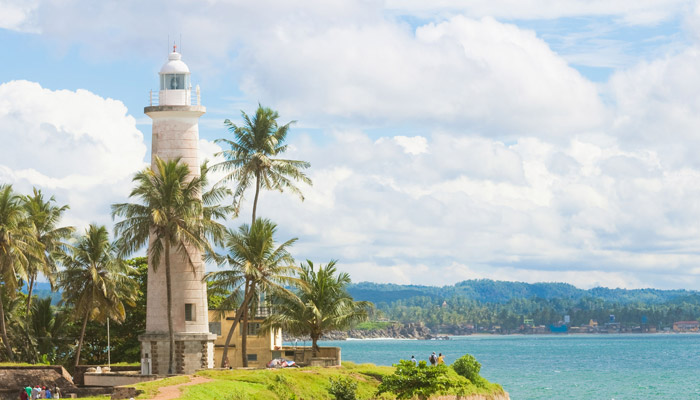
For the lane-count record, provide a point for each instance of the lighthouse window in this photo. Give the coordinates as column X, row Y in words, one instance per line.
column 173, row 81
column 189, row 312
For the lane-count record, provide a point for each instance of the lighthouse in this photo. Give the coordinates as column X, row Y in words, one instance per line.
column 175, row 112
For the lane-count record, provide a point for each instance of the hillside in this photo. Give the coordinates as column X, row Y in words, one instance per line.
column 489, row 291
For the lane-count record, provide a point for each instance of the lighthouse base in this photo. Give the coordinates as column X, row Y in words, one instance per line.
column 193, row 351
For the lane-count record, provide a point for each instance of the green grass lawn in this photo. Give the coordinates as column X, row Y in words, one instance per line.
column 303, row 383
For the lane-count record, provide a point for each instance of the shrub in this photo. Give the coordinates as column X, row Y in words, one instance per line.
column 468, row 367
column 409, row 380
column 343, row 388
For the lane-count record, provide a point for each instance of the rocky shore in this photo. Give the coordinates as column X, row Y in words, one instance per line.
column 395, row 331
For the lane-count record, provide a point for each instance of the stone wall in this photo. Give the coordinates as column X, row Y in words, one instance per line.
column 79, row 371
column 193, row 351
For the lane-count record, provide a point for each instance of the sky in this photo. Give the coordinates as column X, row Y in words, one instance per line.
column 528, row 140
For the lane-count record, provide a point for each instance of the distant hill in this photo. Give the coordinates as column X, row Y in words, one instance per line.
column 42, row 290
column 489, row 291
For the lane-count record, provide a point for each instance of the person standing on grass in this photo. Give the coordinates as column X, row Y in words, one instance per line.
column 28, row 389
column 23, row 394
column 414, row 361
column 432, row 359
column 441, row 359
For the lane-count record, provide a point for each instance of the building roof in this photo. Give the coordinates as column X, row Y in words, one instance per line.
column 174, row 65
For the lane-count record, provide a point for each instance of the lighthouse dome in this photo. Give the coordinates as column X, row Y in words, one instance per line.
column 174, row 65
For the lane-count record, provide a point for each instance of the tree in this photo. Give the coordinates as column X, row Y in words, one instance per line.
column 252, row 157
column 409, row 380
column 45, row 216
column 49, row 327
column 95, row 280
column 170, row 212
column 322, row 304
column 257, row 264
column 17, row 246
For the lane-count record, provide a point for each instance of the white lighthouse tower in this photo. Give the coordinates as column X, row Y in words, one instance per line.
column 176, row 135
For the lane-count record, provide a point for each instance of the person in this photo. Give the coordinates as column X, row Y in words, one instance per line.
column 432, row 359
column 23, row 394
column 28, row 389
column 441, row 359
column 35, row 392
column 47, row 392
column 227, row 365
column 414, row 361
column 56, row 393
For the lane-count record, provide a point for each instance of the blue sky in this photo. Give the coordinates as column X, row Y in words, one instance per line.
column 515, row 140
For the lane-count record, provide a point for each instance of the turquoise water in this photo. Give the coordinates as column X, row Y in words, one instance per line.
column 590, row 367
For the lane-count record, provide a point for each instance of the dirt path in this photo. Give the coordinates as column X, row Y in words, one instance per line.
column 173, row 392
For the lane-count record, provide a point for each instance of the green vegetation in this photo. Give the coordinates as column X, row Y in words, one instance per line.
column 372, row 325
column 410, row 380
column 256, row 262
column 488, row 304
column 320, row 304
column 150, row 389
column 468, row 367
column 254, row 159
column 343, row 388
column 95, row 281
column 312, row 383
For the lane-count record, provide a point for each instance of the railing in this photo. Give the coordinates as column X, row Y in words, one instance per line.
column 195, row 97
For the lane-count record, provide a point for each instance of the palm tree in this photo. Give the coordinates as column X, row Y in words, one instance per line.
column 252, row 157
column 321, row 304
column 49, row 326
column 45, row 217
column 172, row 214
column 17, row 246
column 257, row 264
column 95, row 280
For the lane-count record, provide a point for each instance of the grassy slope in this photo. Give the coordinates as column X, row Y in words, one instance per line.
column 306, row 383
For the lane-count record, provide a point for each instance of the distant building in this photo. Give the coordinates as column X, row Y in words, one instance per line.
column 262, row 346
column 686, row 326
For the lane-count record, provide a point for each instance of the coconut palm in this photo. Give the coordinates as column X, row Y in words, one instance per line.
column 322, row 304
column 49, row 326
column 95, row 280
column 170, row 211
column 17, row 246
column 257, row 265
column 45, row 216
column 253, row 157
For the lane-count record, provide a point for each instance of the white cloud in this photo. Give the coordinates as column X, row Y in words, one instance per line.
column 489, row 156
column 481, row 74
column 644, row 12
column 81, row 146
column 17, row 14
column 412, row 145
column 613, row 218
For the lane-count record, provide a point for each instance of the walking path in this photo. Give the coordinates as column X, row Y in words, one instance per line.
column 173, row 392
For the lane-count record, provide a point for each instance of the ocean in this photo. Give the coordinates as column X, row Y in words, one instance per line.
column 547, row 367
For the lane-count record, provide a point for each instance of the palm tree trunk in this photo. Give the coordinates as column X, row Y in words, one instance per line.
column 29, row 293
column 82, row 336
column 168, row 286
column 236, row 320
column 255, row 200
column 244, row 329
column 3, row 330
column 314, row 346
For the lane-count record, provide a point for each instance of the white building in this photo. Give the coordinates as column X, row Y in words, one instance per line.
column 176, row 135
